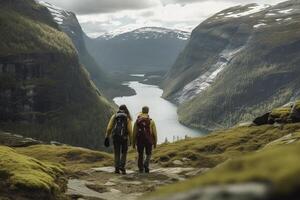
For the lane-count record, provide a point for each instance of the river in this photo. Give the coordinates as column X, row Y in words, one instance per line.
column 162, row 111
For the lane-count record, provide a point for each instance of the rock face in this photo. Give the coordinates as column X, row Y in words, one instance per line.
column 238, row 64
column 143, row 50
column 44, row 92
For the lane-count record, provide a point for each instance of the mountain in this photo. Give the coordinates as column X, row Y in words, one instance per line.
column 142, row 50
column 44, row 91
column 68, row 23
column 239, row 63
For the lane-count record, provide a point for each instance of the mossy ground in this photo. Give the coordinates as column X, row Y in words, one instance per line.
column 267, row 154
column 217, row 147
column 72, row 158
column 20, row 173
column 279, row 167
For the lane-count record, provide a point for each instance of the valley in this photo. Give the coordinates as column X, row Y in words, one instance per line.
column 224, row 97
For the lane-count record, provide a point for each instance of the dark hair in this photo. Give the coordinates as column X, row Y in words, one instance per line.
column 145, row 110
column 125, row 109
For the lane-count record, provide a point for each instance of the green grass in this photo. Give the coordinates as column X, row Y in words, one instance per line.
column 72, row 158
column 281, row 112
column 23, row 173
column 20, row 34
column 278, row 166
column 211, row 150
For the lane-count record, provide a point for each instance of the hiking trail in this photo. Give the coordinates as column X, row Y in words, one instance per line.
column 103, row 184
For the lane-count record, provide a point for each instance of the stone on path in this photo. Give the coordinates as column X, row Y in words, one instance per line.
column 78, row 187
column 177, row 162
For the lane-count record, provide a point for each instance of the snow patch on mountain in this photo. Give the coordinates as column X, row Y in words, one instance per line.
column 287, row 11
column 147, row 33
column 57, row 13
column 251, row 10
column 259, row 25
column 201, row 83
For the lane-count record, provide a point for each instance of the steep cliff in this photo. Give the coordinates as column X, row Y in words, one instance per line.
column 44, row 92
column 239, row 63
column 67, row 22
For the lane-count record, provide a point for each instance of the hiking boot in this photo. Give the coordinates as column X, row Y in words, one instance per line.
column 123, row 171
column 147, row 170
column 117, row 171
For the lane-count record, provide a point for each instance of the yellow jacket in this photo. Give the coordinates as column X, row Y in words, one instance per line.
column 152, row 130
column 111, row 125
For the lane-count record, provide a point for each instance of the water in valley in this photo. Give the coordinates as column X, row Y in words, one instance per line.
column 162, row 111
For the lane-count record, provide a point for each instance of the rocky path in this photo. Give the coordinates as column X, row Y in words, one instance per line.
column 102, row 184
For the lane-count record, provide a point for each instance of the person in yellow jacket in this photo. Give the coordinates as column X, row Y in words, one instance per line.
column 145, row 138
column 120, row 127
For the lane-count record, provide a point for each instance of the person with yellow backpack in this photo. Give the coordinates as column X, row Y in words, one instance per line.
column 144, row 138
column 120, row 127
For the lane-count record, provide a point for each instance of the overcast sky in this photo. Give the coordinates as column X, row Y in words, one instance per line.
column 100, row 16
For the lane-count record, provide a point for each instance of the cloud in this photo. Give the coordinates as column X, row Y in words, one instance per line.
column 184, row 2
column 174, row 14
column 103, row 6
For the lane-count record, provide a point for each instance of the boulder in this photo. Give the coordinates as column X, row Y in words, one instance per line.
column 177, row 162
column 13, row 140
column 264, row 119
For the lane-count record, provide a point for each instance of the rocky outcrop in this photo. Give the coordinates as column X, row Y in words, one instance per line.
column 289, row 113
column 13, row 140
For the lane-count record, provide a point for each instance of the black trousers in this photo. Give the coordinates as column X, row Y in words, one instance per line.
column 143, row 148
column 120, row 152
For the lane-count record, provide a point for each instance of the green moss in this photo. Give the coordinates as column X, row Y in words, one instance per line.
column 297, row 106
column 281, row 113
column 25, row 173
column 217, row 147
column 74, row 159
column 279, row 166
column 288, row 139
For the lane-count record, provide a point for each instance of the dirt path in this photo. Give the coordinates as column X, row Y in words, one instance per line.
column 102, row 184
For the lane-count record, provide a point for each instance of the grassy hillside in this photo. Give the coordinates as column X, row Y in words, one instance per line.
column 278, row 167
column 266, row 154
column 45, row 93
column 262, row 75
column 211, row 150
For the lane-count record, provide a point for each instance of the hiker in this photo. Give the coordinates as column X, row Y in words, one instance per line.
column 144, row 137
column 120, row 127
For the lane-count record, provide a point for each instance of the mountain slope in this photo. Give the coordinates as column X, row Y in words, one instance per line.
column 45, row 93
column 141, row 50
column 238, row 64
column 253, row 162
